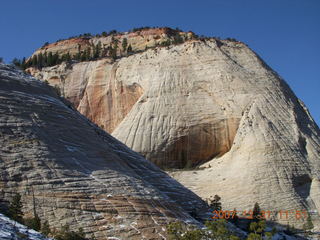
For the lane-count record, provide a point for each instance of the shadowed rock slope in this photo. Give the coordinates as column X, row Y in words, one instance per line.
column 213, row 104
column 11, row 230
column 77, row 173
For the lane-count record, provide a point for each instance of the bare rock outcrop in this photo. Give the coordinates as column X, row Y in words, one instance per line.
column 212, row 104
column 74, row 173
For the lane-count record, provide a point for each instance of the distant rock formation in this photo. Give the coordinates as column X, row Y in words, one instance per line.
column 77, row 174
column 207, row 103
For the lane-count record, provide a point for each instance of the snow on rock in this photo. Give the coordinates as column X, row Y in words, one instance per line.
column 11, row 230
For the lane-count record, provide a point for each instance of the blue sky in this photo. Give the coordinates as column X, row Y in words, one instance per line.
column 285, row 33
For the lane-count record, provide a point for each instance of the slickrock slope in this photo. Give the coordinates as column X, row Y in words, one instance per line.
column 77, row 173
column 213, row 104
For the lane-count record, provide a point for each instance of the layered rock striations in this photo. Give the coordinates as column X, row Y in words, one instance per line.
column 72, row 172
column 208, row 103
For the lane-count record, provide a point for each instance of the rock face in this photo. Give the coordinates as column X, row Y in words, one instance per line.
column 213, row 104
column 75, row 173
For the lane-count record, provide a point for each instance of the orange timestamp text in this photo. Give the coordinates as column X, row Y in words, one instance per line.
column 282, row 214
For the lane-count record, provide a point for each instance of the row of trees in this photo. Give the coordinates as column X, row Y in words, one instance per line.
column 89, row 54
column 110, row 33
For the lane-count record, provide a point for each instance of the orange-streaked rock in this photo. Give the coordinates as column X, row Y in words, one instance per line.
column 72, row 172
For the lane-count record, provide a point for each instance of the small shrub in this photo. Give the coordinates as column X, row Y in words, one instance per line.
column 66, row 234
column 33, row 223
column 45, row 228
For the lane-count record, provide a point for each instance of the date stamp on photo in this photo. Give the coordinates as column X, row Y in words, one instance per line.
column 263, row 215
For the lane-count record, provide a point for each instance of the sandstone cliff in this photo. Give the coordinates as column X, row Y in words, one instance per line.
column 76, row 172
column 213, row 104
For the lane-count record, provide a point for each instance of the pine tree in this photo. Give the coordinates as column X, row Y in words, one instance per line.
column 36, row 222
column 215, row 204
column 68, row 57
column 129, row 49
column 235, row 217
column 177, row 39
column 23, row 63
column 112, row 52
column 256, row 213
column 15, row 209
column 88, row 54
column 124, row 44
column 16, row 62
column 50, row 59
column 45, row 60
column 34, row 61
column 55, row 59
column 78, row 56
column 1, row 60
column 97, row 50
column 40, row 60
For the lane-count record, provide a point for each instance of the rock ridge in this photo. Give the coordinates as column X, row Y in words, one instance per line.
column 77, row 173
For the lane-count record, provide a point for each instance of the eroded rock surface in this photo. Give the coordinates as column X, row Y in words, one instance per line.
column 76, row 172
column 212, row 104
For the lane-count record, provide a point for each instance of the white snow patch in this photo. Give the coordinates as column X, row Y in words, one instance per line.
column 9, row 230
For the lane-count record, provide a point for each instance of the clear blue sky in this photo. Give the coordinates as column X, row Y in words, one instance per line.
column 285, row 33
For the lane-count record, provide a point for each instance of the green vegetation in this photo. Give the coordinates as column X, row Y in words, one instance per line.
column 66, row 234
column 177, row 39
column 15, row 213
column 213, row 230
column 166, row 43
column 141, row 28
column 129, row 49
column 216, row 229
column 45, row 228
column 15, row 209
column 124, row 44
column 256, row 213
column 257, row 230
column 45, row 44
column 98, row 51
column 215, row 204
column 34, row 223
column 308, row 225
